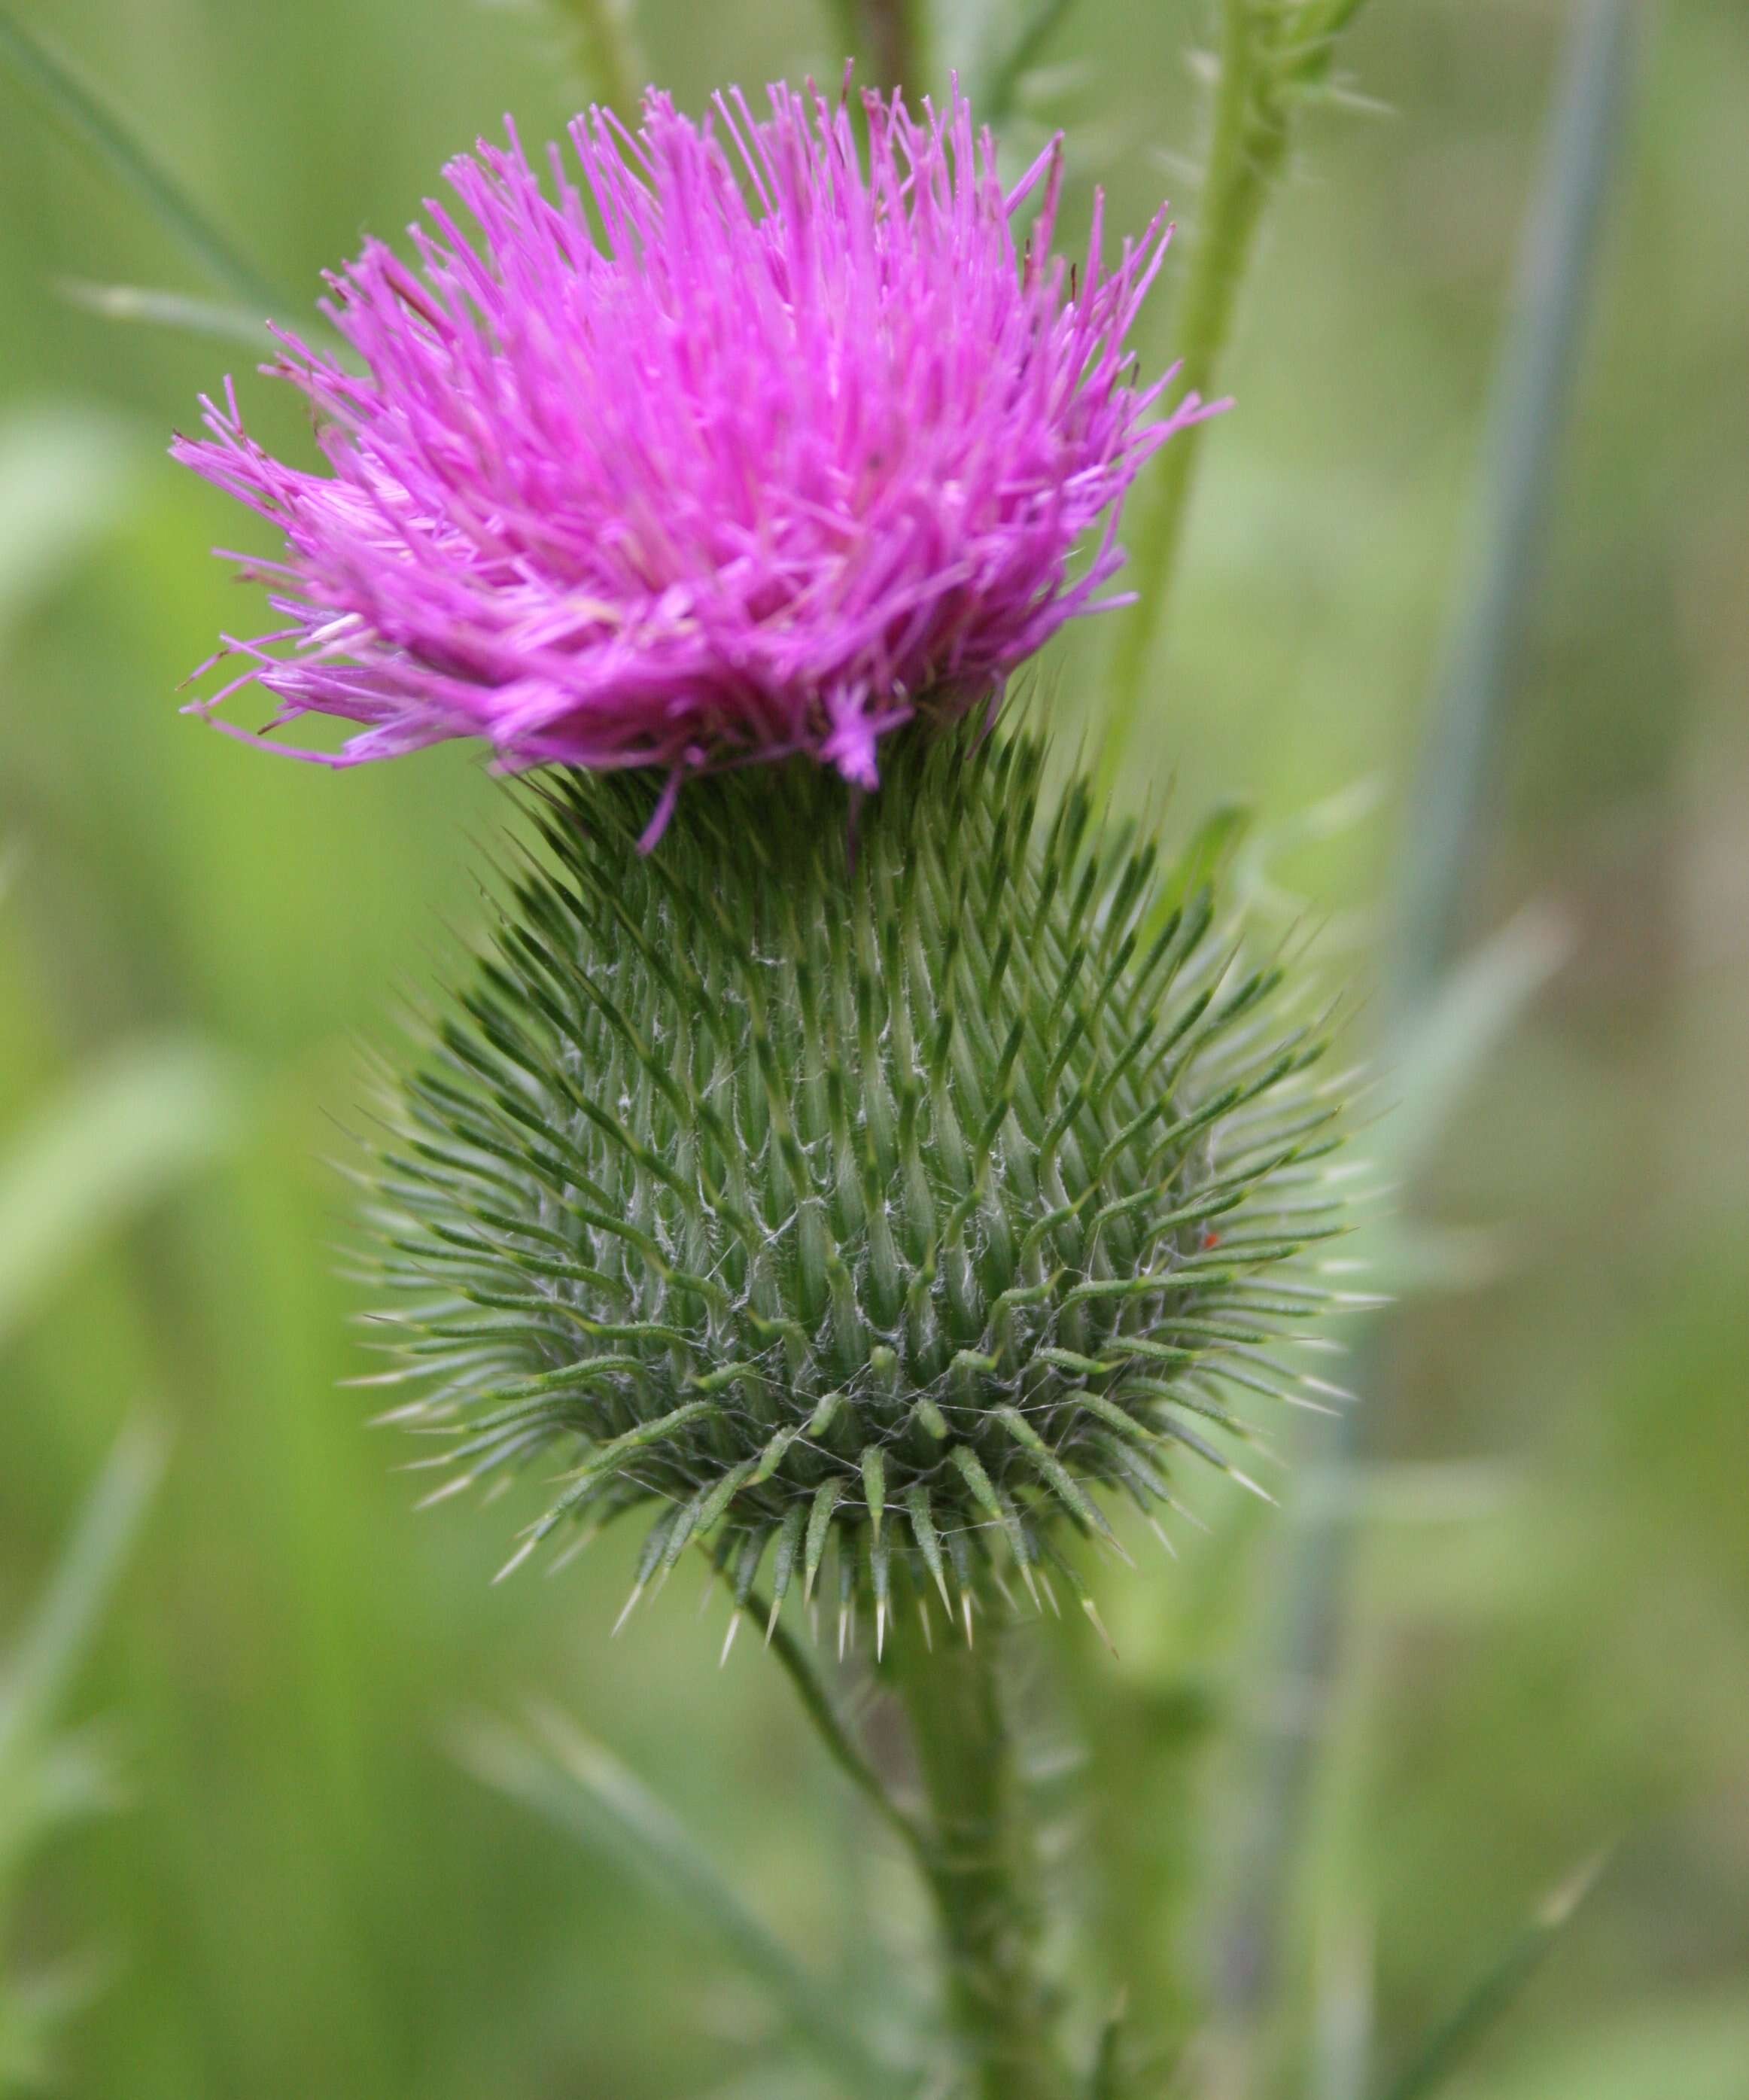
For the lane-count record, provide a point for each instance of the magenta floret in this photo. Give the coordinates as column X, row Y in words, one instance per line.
column 755, row 443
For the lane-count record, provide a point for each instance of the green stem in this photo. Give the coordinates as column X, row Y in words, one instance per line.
column 1247, row 146
column 981, row 1869
column 1273, row 60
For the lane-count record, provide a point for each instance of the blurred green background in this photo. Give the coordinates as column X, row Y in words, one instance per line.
column 304, row 1894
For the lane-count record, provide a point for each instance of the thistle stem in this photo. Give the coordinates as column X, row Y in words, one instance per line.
column 1247, row 145
column 981, row 1868
column 1270, row 59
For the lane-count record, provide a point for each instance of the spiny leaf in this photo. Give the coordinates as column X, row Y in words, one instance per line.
column 1068, row 1489
column 874, row 1465
column 783, row 1560
column 723, row 1493
column 924, row 1530
column 772, row 1456
column 984, row 1493
column 819, row 1529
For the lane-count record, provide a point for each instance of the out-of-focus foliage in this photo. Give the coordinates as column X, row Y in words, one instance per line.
column 50, row 1777
column 307, row 1896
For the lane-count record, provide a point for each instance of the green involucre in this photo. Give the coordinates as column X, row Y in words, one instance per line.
column 901, row 1176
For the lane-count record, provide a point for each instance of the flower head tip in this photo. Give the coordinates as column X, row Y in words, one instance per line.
column 757, row 441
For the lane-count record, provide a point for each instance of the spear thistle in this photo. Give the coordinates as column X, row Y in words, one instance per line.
column 850, row 1158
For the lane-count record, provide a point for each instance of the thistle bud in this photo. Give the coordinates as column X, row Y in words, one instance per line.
column 841, row 1149
column 902, row 1191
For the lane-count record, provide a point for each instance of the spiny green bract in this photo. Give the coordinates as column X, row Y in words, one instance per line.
column 900, row 1175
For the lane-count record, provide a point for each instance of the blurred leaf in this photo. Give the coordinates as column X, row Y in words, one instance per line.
column 47, row 1779
column 64, row 472
column 770, row 2082
column 1253, row 879
column 174, row 310
column 1696, row 2051
column 1448, row 2047
column 1342, row 2010
column 575, row 1783
column 117, row 1138
column 1017, row 51
column 36, row 1672
column 80, row 112
column 602, row 35
column 1106, row 2082
column 33, row 2008
column 1470, row 1015
column 1558, row 258
column 68, row 1779
column 1209, row 852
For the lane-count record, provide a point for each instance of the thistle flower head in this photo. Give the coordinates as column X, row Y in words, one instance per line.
column 757, row 442
column 910, row 1201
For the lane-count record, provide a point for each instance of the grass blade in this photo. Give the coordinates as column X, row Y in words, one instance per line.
column 82, row 113
column 1475, row 1009
column 574, row 1784
column 1444, row 2052
column 1533, row 387
column 116, row 1140
column 1106, row 2082
column 65, row 482
column 49, row 1779
column 1558, row 265
column 817, row 1704
column 172, row 310
column 56, row 1636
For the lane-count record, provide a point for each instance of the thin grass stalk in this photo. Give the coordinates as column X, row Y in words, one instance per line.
column 1538, row 367
column 1451, row 2044
column 818, row 1705
column 1556, row 272
column 82, row 112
